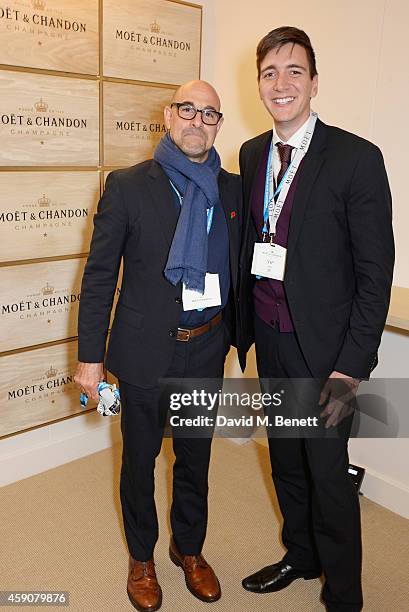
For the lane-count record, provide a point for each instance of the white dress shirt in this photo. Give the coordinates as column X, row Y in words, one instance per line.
column 294, row 141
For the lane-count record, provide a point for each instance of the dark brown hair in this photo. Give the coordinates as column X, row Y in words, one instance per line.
column 281, row 36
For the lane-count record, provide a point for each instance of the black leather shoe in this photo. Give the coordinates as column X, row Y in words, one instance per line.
column 275, row 577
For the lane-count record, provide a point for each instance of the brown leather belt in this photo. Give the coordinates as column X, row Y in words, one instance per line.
column 184, row 335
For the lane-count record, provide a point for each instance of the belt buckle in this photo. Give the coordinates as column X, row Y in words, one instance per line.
column 186, row 338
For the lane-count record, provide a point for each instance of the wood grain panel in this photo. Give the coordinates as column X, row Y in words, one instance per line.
column 37, row 387
column 151, row 40
column 50, row 34
column 398, row 315
column 133, row 122
column 39, row 302
column 48, row 120
column 46, row 214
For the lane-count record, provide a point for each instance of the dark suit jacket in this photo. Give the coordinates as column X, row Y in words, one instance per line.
column 340, row 251
column 136, row 221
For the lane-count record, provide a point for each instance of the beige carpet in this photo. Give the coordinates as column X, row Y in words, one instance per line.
column 61, row 530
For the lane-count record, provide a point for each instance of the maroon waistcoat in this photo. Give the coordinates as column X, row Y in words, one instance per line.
column 270, row 302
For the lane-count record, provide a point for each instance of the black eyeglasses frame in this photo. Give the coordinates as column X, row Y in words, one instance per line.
column 198, row 110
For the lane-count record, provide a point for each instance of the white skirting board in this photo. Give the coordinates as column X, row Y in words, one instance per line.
column 383, row 491
column 378, row 488
column 45, row 448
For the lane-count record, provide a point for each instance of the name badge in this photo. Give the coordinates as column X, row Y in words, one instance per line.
column 193, row 300
column 269, row 260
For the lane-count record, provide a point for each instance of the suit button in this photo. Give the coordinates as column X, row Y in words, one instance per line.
column 172, row 334
column 178, row 300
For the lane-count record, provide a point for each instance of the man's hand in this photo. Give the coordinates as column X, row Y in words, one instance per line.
column 338, row 393
column 88, row 376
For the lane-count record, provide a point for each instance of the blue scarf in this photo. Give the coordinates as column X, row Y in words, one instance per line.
column 197, row 182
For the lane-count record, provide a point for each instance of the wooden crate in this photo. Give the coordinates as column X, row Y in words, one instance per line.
column 50, row 34
column 151, row 40
column 48, row 120
column 133, row 122
column 39, row 302
column 50, row 214
column 37, row 387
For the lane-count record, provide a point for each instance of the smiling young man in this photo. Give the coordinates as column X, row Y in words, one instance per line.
column 173, row 221
column 316, row 272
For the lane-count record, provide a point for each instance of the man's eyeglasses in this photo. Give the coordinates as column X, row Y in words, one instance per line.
column 188, row 111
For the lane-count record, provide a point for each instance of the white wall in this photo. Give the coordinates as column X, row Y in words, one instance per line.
column 387, row 460
column 362, row 49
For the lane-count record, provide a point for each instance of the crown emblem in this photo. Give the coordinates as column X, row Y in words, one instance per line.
column 51, row 372
column 44, row 201
column 47, row 290
column 155, row 27
column 38, row 4
column 41, row 106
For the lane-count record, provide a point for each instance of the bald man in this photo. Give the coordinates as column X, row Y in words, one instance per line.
column 174, row 221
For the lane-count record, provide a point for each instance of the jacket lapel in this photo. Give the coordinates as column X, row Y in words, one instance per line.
column 162, row 199
column 251, row 172
column 310, row 168
column 229, row 205
column 226, row 201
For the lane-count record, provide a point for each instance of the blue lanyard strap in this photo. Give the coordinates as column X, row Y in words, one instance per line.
column 209, row 211
column 267, row 197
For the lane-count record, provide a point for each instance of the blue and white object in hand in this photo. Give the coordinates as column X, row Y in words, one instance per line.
column 109, row 399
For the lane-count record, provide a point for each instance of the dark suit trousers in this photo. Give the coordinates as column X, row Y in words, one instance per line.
column 317, row 499
column 142, row 425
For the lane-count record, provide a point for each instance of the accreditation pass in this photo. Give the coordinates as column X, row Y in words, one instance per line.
column 211, row 297
column 269, row 260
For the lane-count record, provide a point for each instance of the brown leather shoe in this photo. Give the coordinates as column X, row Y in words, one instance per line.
column 143, row 588
column 200, row 578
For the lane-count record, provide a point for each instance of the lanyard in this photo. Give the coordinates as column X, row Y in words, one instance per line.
column 209, row 211
column 272, row 209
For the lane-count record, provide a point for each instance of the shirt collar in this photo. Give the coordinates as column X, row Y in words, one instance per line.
column 296, row 139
